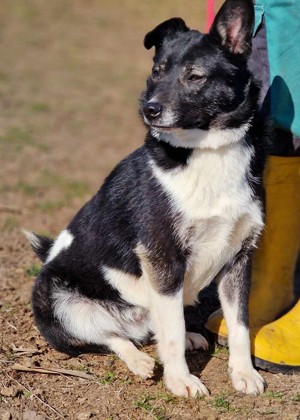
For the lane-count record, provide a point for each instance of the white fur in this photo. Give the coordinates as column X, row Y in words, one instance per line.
column 168, row 118
column 63, row 241
column 92, row 322
column 137, row 361
column 203, row 139
column 169, row 327
column 132, row 289
column 217, row 210
column 166, row 321
column 32, row 239
column 244, row 377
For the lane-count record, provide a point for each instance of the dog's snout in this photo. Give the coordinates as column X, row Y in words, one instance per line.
column 152, row 110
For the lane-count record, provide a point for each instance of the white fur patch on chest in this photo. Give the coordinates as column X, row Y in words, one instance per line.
column 214, row 209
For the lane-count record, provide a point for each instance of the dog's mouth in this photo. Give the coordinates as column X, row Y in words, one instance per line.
column 162, row 127
column 204, row 126
column 201, row 125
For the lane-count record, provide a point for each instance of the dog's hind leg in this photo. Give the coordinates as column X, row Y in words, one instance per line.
column 137, row 361
column 234, row 289
column 194, row 341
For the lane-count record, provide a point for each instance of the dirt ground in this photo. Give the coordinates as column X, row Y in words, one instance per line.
column 70, row 76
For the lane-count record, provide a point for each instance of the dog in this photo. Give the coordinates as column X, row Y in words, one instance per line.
column 182, row 210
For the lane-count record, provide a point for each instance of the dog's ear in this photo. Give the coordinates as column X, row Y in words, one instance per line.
column 233, row 26
column 166, row 30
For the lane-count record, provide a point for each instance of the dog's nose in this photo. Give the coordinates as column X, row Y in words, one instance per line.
column 152, row 110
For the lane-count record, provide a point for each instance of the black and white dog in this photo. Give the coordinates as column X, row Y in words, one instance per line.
column 183, row 209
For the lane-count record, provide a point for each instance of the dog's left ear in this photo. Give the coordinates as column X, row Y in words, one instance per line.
column 166, row 30
column 233, row 26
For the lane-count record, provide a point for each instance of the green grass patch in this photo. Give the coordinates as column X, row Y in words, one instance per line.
column 273, row 394
column 20, row 187
column 9, row 224
column 168, row 398
column 9, row 355
column 219, row 350
column 50, row 205
column 3, row 76
column 68, row 190
column 149, row 405
column 108, row 378
column 268, row 413
column 33, row 270
column 221, row 402
column 20, row 137
column 40, row 107
column 70, row 187
column 26, row 393
column 80, row 368
column 25, row 188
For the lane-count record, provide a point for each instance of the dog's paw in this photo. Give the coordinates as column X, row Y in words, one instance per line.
column 141, row 364
column 249, row 382
column 186, row 386
column 194, row 341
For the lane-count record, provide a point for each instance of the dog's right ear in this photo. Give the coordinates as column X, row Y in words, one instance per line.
column 233, row 26
column 168, row 29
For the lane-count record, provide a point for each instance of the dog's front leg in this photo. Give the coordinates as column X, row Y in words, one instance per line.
column 234, row 290
column 169, row 327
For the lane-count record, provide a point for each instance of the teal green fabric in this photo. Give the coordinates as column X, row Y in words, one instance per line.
column 282, row 19
column 259, row 13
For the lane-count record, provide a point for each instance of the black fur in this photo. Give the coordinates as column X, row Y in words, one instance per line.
column 131, row 207
column 41, row 246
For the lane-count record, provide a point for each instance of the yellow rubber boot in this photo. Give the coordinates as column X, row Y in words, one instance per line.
column 275, row 259
column 276, row 346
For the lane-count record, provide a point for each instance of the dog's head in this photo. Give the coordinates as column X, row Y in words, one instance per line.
column 199, row 81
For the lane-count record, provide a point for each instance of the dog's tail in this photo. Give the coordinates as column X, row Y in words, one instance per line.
column 40, row 244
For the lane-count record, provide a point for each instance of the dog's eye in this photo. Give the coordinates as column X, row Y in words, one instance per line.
column 195, row 77
column 155, row 73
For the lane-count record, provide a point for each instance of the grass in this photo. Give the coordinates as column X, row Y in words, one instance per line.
column 40, row 107
column 25, row 188
column 296, row 397
column 221, row 402
column 9, row 224
column 3, row 76
column 9, row 355
column 50, row 205
column 273, row 394
column 168, row 398
column 218, row 350
column 69, row 189
column 108, row 378
column 33, row 270
column 147, row 404
column 21, row 137
column 80, row 368
column 6, row 307
column 268, row 413
column 26, row 393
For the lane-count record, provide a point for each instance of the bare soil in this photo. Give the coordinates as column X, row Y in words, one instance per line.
column 70, row 77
